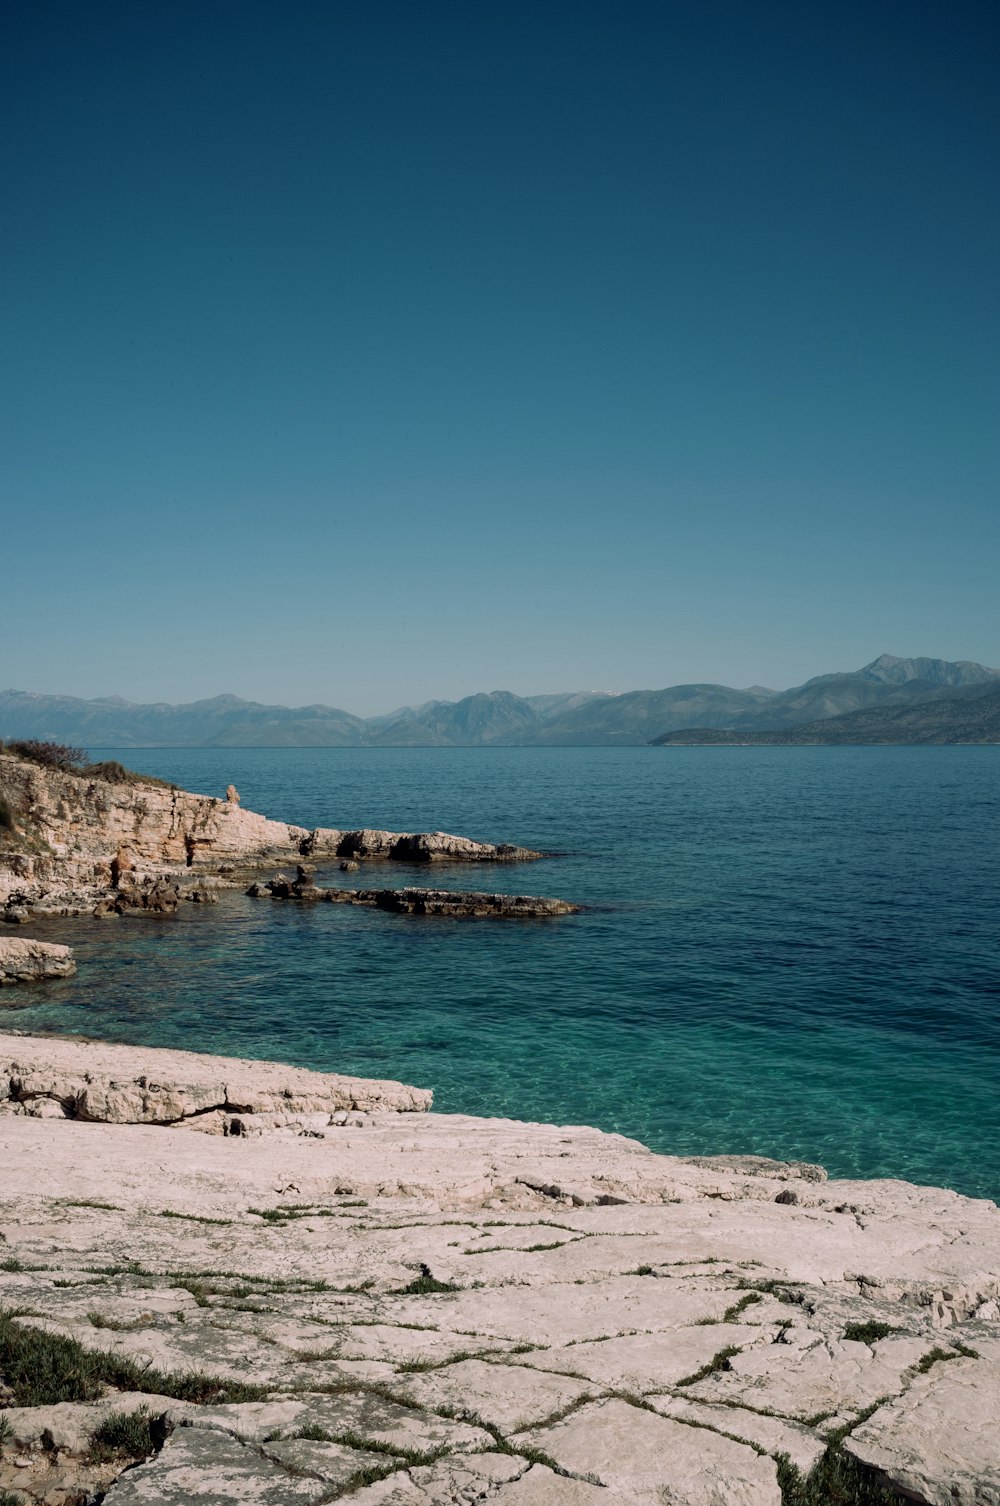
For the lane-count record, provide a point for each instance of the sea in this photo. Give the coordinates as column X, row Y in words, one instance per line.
column 791, row 952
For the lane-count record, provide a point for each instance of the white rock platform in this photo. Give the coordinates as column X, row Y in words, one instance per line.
column 352, row 1299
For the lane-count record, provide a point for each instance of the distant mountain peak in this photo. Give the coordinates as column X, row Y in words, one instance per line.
column 889, row 669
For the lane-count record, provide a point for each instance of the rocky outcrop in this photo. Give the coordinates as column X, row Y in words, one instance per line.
column 409, row 847
column 410, row 901
column 22, row 961
column 434, row 1309
column 113, row 841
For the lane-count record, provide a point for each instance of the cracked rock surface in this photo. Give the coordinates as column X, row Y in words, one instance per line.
column 410, row 1309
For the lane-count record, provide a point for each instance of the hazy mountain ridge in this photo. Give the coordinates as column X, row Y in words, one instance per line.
column 965, row 714
column 497, row 718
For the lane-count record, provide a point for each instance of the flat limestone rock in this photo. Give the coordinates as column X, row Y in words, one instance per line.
column 333, row 1463
column 67, row 1426
column 94, row 1081
column 653, row 1362
column 650, row 1459
column 939, row 1442
column 498, row 1478
column 449, row 902
column 198, row 1467
column 773, row 1434
column 410, row 1287
column 509, row 1395
column 824, row 1376
column 25, row 961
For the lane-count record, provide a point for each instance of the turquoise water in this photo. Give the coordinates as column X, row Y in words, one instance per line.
column 790, row 951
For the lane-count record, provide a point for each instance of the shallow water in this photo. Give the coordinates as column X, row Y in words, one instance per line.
column 790, row 951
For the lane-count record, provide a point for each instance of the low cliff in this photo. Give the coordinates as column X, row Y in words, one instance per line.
column 71, row 836
column 72, row 840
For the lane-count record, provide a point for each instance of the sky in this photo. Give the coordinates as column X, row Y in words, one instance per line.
column 365, row 354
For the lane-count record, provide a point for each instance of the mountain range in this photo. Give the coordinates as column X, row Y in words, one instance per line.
column 500, row 718
column 959, row 714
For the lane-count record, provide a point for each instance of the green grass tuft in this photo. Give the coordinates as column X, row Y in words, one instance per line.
column 130, row 1435
column 936, row 1355
column 747, row 1300
column 868, row 1333
column 193, row 1218
column 719, row 1361
column 42, row 1369
column 836, row 1480
column 424, row 1285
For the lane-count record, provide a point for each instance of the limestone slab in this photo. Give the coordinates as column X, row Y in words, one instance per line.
column 940, row 1442
column 653, row 1459
column 198, row 1467
column 26, row 961
column 648, row 1362
column 773, row 1434
column 509, row 1396
column 830, row 1377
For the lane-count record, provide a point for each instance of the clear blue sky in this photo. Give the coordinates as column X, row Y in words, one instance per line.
column 368, row 353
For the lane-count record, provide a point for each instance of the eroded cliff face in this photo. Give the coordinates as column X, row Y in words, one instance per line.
column 74, row 836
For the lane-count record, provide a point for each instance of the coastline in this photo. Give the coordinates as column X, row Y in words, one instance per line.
column 319, row 1290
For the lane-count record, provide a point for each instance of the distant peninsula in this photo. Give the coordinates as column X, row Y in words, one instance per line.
column 701, row 712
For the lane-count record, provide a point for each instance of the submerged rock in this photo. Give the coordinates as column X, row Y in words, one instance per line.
column 411, row 901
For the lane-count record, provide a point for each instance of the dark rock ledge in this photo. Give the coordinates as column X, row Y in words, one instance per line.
column 411, row 901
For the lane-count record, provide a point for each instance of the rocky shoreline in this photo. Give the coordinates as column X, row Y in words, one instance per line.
column 348, row 1297
column 79, row 844
column 227, row 1282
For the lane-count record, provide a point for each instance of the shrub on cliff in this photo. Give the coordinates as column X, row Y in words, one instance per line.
column 69, row 760
column 50, row 755
column 113, row 772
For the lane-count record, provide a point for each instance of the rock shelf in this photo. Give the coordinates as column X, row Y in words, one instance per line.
column 412, row 1309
